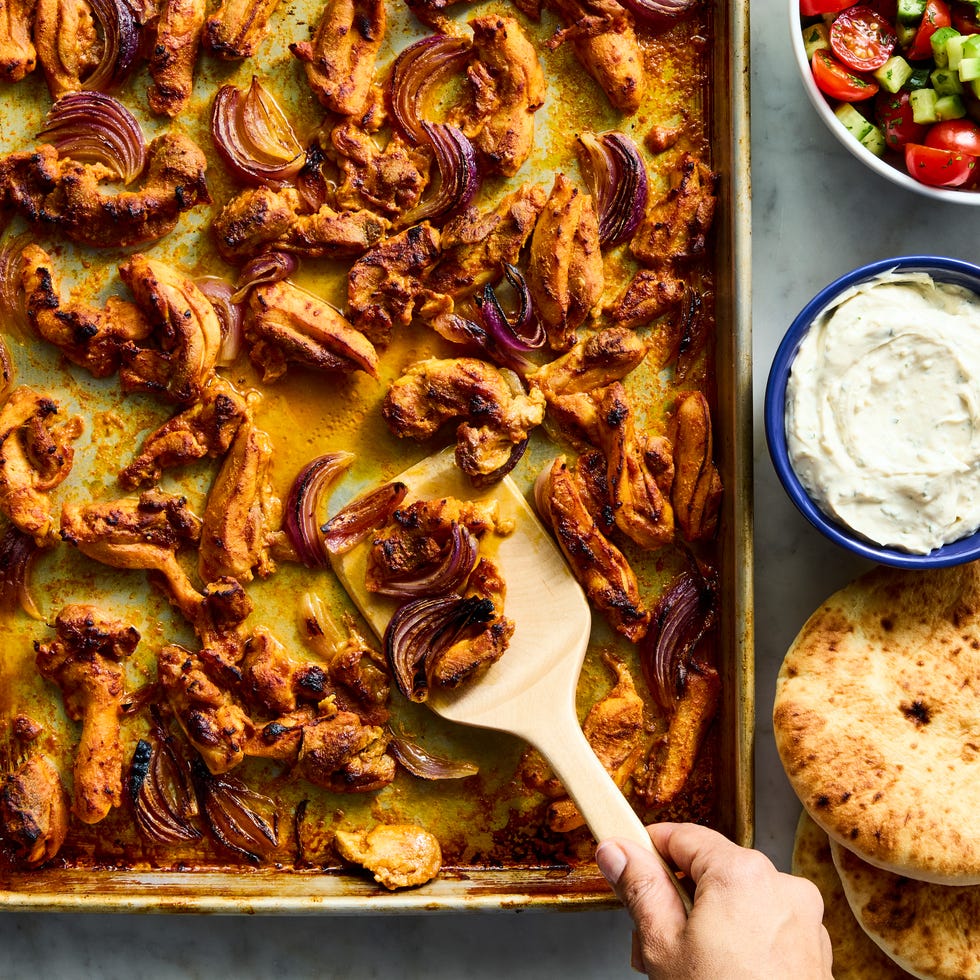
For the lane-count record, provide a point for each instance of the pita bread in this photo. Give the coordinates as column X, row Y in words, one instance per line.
column 877, row 720
column 931, row 930
column 856, row 957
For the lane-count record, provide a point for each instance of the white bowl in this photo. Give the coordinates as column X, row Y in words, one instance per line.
column 896, row 173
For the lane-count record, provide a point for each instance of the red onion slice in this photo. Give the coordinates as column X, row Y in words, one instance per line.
column 303, row 503
column 659, row 13
column 92, row 127
column 351, row 525
column 459, row 558
column 617, row 179
column 267, row 267
column 459, row 177
column 122, row 40
column 420, row 762
column 17, row 554
column 231, row 315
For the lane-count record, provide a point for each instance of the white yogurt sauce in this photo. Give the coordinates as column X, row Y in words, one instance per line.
column 883, row 411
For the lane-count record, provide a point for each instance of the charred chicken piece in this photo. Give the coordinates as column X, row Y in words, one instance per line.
column 430, row 12
column 508, row 87
column 241, row 518
column 385, row 285
column 84, row 661
column 237, row 28
column 398, row 855
column 675, row 230
column 596, row 562
column 68, row 44
column 565, row 272
column 213, row 723
column 604, row 41
column 206, row 429
column 498, row 416
column 35, row 457
column 174, row 53
column 640, row 510
column 186, row 333
column 88, row 336
column 263, row 219
column 68, row 196
column 697, row 488
column 139, row 532
column 276, row 682
column 340, row 60
column 648, row 296
column 218, row 625
column 389, row 181
column 18, row 56
column 607, row 356
column 287, row 324
column 344, row 755
column 614, row 728
column 34, row 810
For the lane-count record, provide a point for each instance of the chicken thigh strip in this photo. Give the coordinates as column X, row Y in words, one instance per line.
column 18, row 56
column 34, row 810
column 237, row 28
column 174, row 54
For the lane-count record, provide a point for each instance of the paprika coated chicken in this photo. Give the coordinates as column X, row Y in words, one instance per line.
column 340, row 60
column 35, row 457
column 173, row 55
column 60, row 194
column 34, row 810
column 90, row 336
column 237, row 28
column 84, row 661
column 18, row 56
column 68, row 43
column 398, row 855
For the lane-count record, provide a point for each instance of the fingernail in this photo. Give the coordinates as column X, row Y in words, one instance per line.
column 611, row 860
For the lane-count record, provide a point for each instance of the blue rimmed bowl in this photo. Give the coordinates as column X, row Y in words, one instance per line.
column 953, row 271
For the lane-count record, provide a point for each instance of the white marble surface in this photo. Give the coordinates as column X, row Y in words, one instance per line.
column 816, row 214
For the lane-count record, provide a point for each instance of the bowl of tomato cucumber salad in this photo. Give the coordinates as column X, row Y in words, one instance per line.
column 898, row 84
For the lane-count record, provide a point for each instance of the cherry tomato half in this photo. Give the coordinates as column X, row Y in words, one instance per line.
column 939, row 168
column 964, row 16
column 862, row 39
column 834, row 80
column 959, row 135
column 893, row 114
column 814, row 8
column 937, row 15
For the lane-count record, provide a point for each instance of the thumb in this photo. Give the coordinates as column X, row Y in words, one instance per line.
column 641, row 884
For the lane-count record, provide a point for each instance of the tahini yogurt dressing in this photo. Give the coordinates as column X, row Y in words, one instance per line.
column 883, row 411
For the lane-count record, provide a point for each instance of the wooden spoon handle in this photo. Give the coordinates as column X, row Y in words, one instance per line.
column 598, row 798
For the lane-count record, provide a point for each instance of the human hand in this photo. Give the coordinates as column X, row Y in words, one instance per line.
column 749, row 920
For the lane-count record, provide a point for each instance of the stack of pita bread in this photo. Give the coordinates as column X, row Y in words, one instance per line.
column 877, row 722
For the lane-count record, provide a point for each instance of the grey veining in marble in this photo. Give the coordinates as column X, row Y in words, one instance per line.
column 816, row 214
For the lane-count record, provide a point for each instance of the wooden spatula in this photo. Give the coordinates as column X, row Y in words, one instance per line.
column 530, row 691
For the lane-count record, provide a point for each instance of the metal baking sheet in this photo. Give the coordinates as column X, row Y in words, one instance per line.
column 299, row 433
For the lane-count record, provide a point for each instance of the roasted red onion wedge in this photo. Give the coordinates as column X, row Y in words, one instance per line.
column 267, row 267
column 92, row 127
column 420, row 762
column 459, row 177
column 231, row 314
column 416, row 71
column 303, row 504
column 659, row 13
column 361, row 517
column 617, row 179
column 17, row 554
column 686, row 612
column 449, row 574
column 508, row 339
column 121, row 44
column 254, row 138
column 162, row 792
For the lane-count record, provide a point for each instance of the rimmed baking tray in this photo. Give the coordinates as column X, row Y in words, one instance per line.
column 102, row 885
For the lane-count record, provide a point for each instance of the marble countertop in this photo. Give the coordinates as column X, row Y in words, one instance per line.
column 817, row 213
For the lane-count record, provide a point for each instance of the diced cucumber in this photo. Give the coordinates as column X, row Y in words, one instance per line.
column 971, row 46
column 954, row 50
column 911, row 11
column 946, row 82
column 874, row 141
column 918, row 79
column 906, row 33
column 853, row 121
column 923, row 102
column 938, row 42
column 816, row 37
column 969, row 69
column 893, row 74
column 950, row 107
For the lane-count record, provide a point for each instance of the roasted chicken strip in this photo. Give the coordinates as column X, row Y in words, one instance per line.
column 263, row 219
column 214, row 724
column 89, row 336
column 344, row 755
column 596, row 562
column 340, row 60
column 286, row 324
column 498, row 415
column 139, row 532
column 84, row 661
column 398, row 855
column 35, row 457
column 206, row 429
column 68, row 196
column 593, row 363
column 565, row 271
column 34, row 810
column 508, row 87
column 697, row 488
column 241, row 519
column 275, row 681
column 186, row 333
column 237, row 28
column 174, row 53
column 68, row 44
column 18, row 56
column 648, row 296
